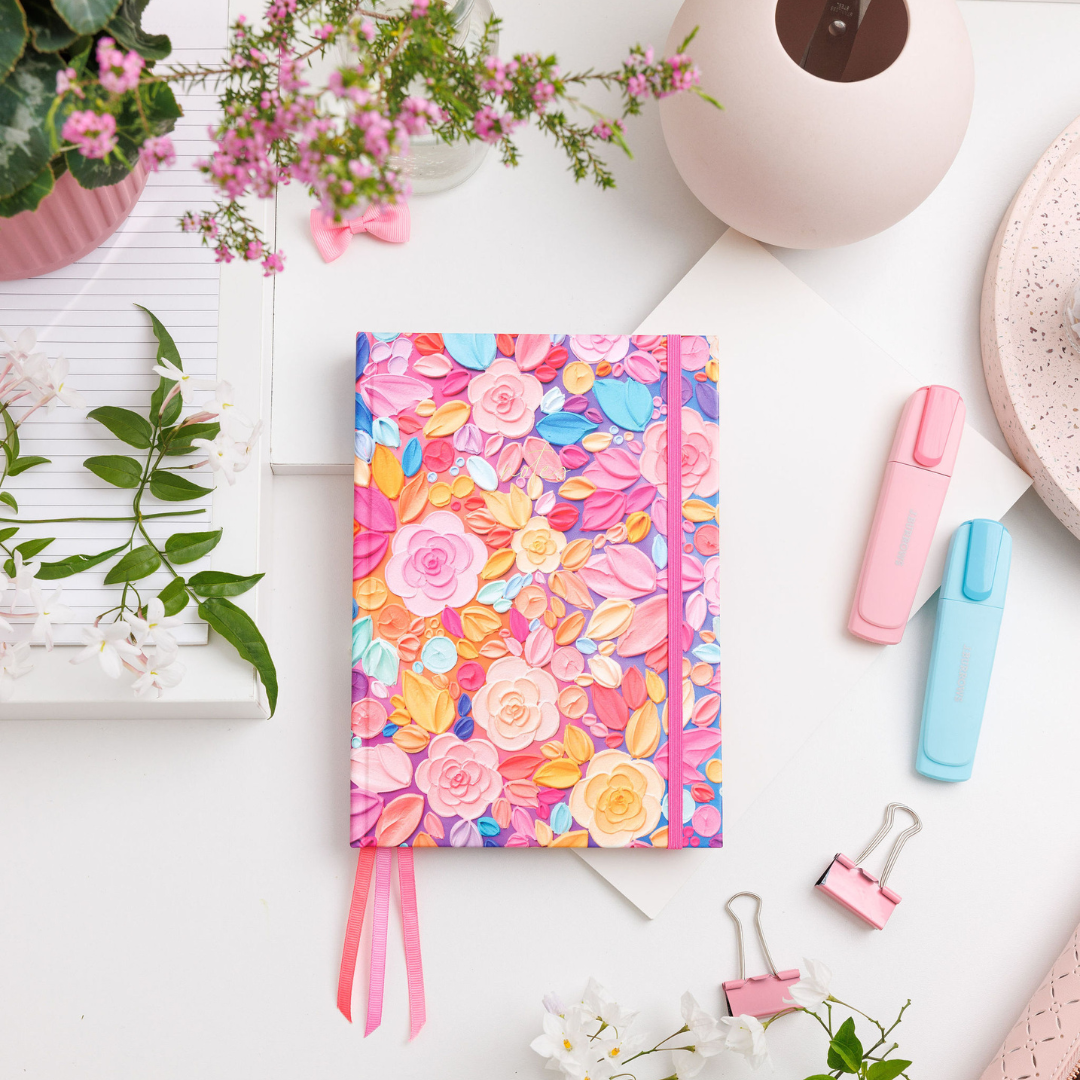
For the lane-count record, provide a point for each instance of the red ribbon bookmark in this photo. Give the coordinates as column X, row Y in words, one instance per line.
column 375, row 862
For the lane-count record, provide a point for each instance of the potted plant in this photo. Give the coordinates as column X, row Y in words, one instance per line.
column 82, row 116
column 88, row 112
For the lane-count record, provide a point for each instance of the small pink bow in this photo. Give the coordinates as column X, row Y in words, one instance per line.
column 389, row 223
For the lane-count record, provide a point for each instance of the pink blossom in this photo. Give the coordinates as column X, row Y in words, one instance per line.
column 254, row 251
column 542, row 93
column 500, row 71
column 93, row 135
column 637, row 86
column 367, row 31
column 158, row 150
column 117, row 71
column 325, row 32
column 223, row 254
column 420, row 8
column 65, row 81
column 273, row 263
column 493, row 128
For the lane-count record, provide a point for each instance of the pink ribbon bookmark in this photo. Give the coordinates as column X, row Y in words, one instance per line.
column 674, row 595
column 375, row 863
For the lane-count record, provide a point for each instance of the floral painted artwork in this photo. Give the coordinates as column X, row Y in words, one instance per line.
column 515, row 532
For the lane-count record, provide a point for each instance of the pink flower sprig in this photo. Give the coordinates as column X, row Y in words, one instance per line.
column 118, row 72
column 93, row 135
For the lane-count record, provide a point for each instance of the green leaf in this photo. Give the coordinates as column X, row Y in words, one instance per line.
column 167, row 350
column 51, row 33
column 20, row 465
column 29, row 548
column 136, row 564
column 174, row 596
column 126, row 27
column 160, row 106
column 26, row 96
column 13, row 35
column 86, row 16
column 187, row 547
column 74, row 564
column 7, row 534
column 58, row 165
column 179, row 439
column 238, row 628
column 29, row 197
column 820, row 1076
column 126, row 425
column 172, row 488
column 887, row 1070
column 218, row 583
column 845, row 1050
column 7, row 497
column 122, row 472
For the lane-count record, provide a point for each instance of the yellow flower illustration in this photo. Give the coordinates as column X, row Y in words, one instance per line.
column 618, row 799
column 538, row 547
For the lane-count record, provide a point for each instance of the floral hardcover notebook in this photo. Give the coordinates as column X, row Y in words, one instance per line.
column 523, row 539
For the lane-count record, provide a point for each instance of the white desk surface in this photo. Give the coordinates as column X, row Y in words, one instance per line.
column 173, row 894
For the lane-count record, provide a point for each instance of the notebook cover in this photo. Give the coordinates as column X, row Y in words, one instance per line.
column 510, row 609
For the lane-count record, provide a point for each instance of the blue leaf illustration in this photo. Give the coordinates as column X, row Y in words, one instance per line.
column 463, row 729
column 708, row 652
column 412, row 457
column 659, row 551
column 363, row 352
column 709, row 399
column 473, row 351
column 629, row 404
column 564, row 428
column 363, row 415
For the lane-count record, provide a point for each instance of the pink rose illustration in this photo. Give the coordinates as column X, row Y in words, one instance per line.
column 460, row 779
column 435, row 564
column 516, row 706
column 505, row 399
column 700, row 463
column 592, row 348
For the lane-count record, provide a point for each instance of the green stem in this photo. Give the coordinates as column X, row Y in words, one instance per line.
column 659, row 1045
column 55, row 521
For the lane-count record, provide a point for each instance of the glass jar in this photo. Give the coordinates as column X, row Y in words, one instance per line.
column 432, row 164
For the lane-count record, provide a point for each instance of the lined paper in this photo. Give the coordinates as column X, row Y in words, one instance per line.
column 86, row 311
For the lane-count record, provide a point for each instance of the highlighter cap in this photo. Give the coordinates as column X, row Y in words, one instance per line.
column 977, row 567
column 930, row 428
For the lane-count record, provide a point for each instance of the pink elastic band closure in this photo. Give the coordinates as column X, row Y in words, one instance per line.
column 380, row 913
column 361, row 887
column 410, row 921
column 674, row 607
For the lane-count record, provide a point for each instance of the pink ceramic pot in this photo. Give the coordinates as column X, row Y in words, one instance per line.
column 69, row 223
column 805, row 162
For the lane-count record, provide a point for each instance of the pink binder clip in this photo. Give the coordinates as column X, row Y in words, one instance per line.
column 763, row 995
column 857, row 889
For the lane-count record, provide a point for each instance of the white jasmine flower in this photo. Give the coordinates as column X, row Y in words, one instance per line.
column 552, row 1002
column 745, row 1035
column 110, row 644
column 49, row 611
column 221, row 454
column 706, row 1036
column 23, row 579
column 155, row 628
column 604, row 1007
column 229, row 415
column 564, row 1036
column 186, row 383
column 52, row 384
column 160, row 671
column 813, row 988
column 14, row 664
column 242, row 449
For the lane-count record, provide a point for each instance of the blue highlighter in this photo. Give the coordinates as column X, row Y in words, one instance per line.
column 969, row 611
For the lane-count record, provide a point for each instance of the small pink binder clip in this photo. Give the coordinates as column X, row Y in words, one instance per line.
column 857, row 889
column 763, row 995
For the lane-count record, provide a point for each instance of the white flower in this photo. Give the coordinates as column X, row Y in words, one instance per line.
column 154, row 629
column 242, row 448
column 188, row 384
column 604, row 1007
column 230, row 416
column 746, row 1035
column 552, row 1002
column 813, row 988
column 23, row 579
column 20, row 356
column 160, row 671
column 14, row 664
column 49, row 611
column 705, row 1036
column 221, row 454
column 52, row 384
column 110, row 644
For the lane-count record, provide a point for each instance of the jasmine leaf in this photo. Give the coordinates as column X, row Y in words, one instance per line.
column 122, row 472
column 29, row 548
column 126, row 425
column 845, row 1050
column 219, row 583
column 238, row 628
column 138, row 563
column 74, row 564
column 187, row 547
column 887, row 1070
column 172, row 488
column 20, row 465
column 174, row 596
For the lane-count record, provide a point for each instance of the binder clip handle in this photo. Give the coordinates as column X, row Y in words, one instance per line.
column 901, row 840
column 760, row 933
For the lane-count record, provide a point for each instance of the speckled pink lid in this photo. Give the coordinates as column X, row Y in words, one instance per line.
column 1032, row 369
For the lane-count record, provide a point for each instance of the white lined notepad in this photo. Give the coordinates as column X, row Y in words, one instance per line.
column 87, row 312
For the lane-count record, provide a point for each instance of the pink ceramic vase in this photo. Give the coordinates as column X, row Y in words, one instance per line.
column 69, row 223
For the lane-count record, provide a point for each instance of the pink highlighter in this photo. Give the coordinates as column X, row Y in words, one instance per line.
column 916, row 478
